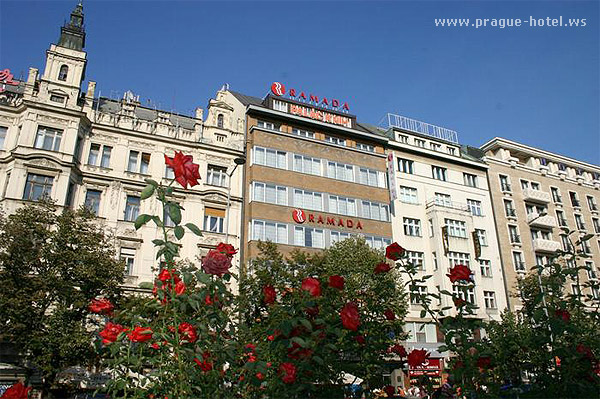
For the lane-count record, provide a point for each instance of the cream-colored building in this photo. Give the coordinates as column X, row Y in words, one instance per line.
column 76, row 148
column 536, row 194
column 442, row 206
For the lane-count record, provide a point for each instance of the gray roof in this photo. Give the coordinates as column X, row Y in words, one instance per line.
column 246, row 100
column 367, row 127
column 110, row 106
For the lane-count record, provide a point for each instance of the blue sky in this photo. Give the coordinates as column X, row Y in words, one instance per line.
column 536, row 85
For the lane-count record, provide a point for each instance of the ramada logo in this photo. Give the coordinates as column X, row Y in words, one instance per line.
column 278, row 88
column 299, row 216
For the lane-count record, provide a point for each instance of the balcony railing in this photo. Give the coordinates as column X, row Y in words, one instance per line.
column 543, row 245
column 534, row 219
column 448, row 204
column 536, row 195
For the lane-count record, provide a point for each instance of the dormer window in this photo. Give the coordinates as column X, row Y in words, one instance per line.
column 220, row 121
column 64, row 71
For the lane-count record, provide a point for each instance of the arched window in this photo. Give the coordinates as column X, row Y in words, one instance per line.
column 64, row 70
column 220, row 121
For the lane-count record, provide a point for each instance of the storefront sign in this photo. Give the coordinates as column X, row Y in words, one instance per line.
column 300, row 217
column 431, row 368
column 6, row 78
column 279, row 90
column 320, row 115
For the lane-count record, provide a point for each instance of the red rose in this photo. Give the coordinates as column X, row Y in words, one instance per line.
column 288, row 373
column 216, row 263
column 111, row 332
column 16, row 391
column 179, row 287
column 140, row 334
column 205, row 364
column 188, row 332
column 336, row 282
column 360, row 339
column 250, row 348
column 563, row 314
column 269, row 294
column 484, row 362
column 394, row 251
column 208, row 300
column 349, row 315
column 155, row 345
column 389, row 390
column 271, row 338
column 417, row 357
column 459, row 302
column 186, row 172
column 260, row 376
column 101, row 306
column 226, row 249
column 389, row 314
column 312, row 285
column 398, row 349
column 460, row 272
column 382, row 267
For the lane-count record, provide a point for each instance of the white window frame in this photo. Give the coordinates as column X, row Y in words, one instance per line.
column 305, row 164
column 474, row 207
column 406, row 166
column 409, row 195
column 342, row 205
column 35, row 180
column 417, row 259
column 335, row 140
column 92, row 202
column 459, row 291
column 439, row 173
column 259, row 231
column 132, row 209
column 489, row 299
column 482, row 235
column 48, row 138
column 303, row 133
column 301, row 197
column 485, row 266
column 127, row 255
column 412, row 227
column 456, row 228
column 458, row 258
column 216, row 175
column 305, row 232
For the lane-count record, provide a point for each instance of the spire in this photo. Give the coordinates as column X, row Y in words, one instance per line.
column 72, row 34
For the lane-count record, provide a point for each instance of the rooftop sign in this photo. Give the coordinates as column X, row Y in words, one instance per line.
column 279, row 90
column 6, row 78
column 413, row 125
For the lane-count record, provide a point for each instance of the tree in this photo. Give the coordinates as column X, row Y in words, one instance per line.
column 51, row 266
column 311, row 319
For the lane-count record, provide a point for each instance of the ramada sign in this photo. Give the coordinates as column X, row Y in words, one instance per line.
column 300, row 217
column 279, row 90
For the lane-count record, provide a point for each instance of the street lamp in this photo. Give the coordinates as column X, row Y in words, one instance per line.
column 238, row 161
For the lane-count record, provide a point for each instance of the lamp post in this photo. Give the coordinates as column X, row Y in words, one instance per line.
column 238, row 161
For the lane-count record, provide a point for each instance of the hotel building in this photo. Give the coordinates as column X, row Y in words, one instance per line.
column 314, row 175
column 79, row 149
column 536, row 194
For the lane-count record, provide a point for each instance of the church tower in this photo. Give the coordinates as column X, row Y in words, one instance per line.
column 65, row 64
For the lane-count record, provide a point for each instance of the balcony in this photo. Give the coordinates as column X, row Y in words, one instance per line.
column 542, row 245
column 535, row 219
column 536, row 196
column 447, row 204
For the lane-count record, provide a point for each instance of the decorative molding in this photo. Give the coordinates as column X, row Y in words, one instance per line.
column 216, row 197
column 104, row 137
column 140, row 144
column 8, row 119
column 52, row 119
column 217, row 159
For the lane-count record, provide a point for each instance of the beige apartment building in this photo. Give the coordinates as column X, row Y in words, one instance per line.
column 82, row 149
column 536, row 194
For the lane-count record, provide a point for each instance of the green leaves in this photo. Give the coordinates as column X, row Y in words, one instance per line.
column 142, row 220
column 174, row 211
column 194, row 229
column 179, row 232
column 147, row 191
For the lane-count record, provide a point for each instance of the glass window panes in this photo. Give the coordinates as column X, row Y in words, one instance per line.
column 368, row 177
column 308, row 165
column 470, row 180
column 365, row 147
column 518, row 261
column 416, row 293
column 342, row 205
column 438, row 173
column 405, row 166
column 409, row 195
column 37, row 187
column 456, row 228
column 132, row 164
column 267, row 125
column 145, row 164
column 340, row 171
column 308, row 199
column 416, row 258
column 556, row 195
column 270, row 157
column 216, row 175
column 412, row 227
column 486, row 267
column 3, row 130
column 458, row 258
column 48, row 138
column 94, row 152
column 443, row 199
column 474, row 207
column 377, row 242
column 303, row 133
column 489, row 298
column 482, row 237
column 335, row 140
column 128, row 256
column 468, row 296
column 309, row 237
column 504, row 184
column 338, row 236
column 509, row 209
column 132, row 208
column 92, row 200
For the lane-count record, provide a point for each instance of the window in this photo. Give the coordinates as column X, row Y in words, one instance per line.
column 365, row 147
column 443, row 200
column 435, row 146
column 37, row 187
column 403, row 139
column 48, row 138
column 470, row 180
column 431, row 231
column 127, row 255
column 513, row 233
column 590, row 200
column 486, row 267
column 308, row 199
column 340, row 171
column 535, row 186
column 518, row 262
column 585, row 247
column 509, row 209
column 541, row 260
column 458, row 258
column 435, row 261
column 560, row 216
column 3, row 130
column 374, row 210
column 368, row 177
column 459, row 291
column 169, row 172
column 267, row 125
column 482, row 237
column 579, row 222
column 408, row 195
column 595, row 292
column 416, row 258
column 269, row 157
column 220, row 121
column 132, row 208
column 168, row 222
column 269, row 193
column 92, row 200
column 63, row 72
column 94, row 154
column 566, row 243
column 524, row 184
column 421, row 333
column 596, row 224
column 504, row 184
column 456, row 228
column 216, row 176
column 416, row 293
column 338, row 236
column 342, row 205
column 213, row 219
column 489, row 298
column 412, row 227
column 474, row 207
column 303, row 133
column 280, row 106
column 57, row 99
column 451, row 150
column 575, row 289
column 556, row 195
column 438, row 173
column 270, row 231
column 335, row 140
column 308, row 237
column 405, row 166
column 308, row 165
column 377, row 242
column 420, row 143
column 540, row 234
column 132, row 164
column 574, row 200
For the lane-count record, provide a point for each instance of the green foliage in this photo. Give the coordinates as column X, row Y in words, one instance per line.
column 51, row 266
